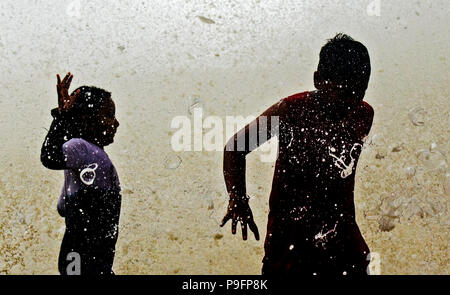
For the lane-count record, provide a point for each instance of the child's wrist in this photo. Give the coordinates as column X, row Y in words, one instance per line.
column 235, row 197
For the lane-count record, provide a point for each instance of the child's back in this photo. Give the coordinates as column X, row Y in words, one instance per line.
column 312, row 215
column 311, row 227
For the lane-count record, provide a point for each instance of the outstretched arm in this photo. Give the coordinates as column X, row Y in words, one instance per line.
column 246, row 140
column 60, row 130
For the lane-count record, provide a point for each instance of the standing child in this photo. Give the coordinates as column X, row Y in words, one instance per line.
column 311, row 227
column 83, row 124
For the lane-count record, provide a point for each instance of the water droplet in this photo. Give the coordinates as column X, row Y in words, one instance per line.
column 206, row 20
column 210, row 204
column 417, row 116
column 379, row 156
column 196, row 104
column 397, row 148
column 447, row 184
column 431, row 159
column 374, row 140
column 386, row 223
column 410, row 172
column 172, row 161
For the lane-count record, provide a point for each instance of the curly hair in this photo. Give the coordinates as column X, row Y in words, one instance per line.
column 89, row 100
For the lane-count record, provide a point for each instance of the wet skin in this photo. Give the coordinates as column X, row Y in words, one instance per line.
column 309, row 198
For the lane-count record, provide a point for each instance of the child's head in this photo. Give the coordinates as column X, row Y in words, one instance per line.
column 95, row 111
column 344, row 68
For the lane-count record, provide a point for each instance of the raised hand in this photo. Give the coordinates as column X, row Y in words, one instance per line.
column 239, row 211
column 65, row 101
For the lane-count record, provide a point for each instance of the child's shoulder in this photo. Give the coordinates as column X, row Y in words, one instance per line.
column 297, row 97
column 367, row 109
column 367, row 106
column 79, row 143
column 287, row 104
column 82, row 149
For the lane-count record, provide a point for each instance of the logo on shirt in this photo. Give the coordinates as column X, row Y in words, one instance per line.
column 87, row 175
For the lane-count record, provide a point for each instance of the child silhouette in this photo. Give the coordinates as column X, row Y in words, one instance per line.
column 90, row 201
column 311, row 228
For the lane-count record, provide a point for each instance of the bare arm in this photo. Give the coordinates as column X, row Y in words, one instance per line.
column 60, row 130
column 245, row 141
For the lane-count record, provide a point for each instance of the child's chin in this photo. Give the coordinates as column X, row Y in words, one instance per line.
column 107, row 141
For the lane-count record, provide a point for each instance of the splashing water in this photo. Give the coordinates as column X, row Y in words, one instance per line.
column 347, row 170
column 432, row 158
column 322, row 237
column 172, row 162
column 196, row 104
column 447, row 184
column 417, row 116
column 410, row 172
column 374, row 140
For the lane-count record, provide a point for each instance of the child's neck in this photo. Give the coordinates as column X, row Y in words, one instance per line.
column 326, row 95
column 330, row 96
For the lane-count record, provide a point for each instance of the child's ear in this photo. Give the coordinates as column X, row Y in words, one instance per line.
column 318, row 81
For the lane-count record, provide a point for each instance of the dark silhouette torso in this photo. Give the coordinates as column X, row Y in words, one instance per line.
column 312, row 227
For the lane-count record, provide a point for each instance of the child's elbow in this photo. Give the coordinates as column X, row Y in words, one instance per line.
column 49, row 162
column 45, row 160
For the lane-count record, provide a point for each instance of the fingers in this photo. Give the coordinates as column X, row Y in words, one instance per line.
column 58, row 91
column 254, row 228
column 244, row 230
column 66, row 78
column 225, row 220
column 234, row 222
column 69, row 81
column 251, row 224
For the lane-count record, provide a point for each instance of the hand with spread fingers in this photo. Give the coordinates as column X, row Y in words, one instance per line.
column 65, row 101
column 239, row 211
